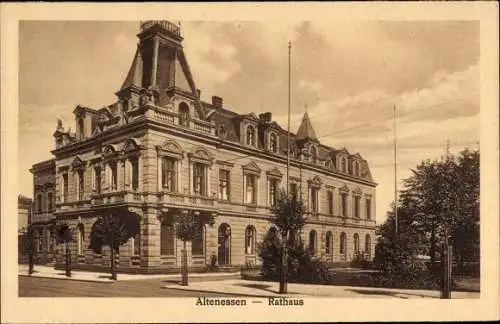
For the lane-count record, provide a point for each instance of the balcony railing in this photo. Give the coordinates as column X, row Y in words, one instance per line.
column 168, row 26
column 175, row 198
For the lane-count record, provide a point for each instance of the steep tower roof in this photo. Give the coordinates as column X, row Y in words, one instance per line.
column 305, row 130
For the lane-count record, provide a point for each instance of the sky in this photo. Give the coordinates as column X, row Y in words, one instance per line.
column 350, row 75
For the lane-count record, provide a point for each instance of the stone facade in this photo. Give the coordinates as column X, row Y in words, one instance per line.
column 159, row 151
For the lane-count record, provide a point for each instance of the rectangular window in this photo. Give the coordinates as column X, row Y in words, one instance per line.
column 97, row 180
column 168, row 174
column 273, row 191
column 330, row 202
column 293, row 189
column 314, row 200
column 39, row 203
column 356, row 206
column 65, row 187
column 134, row 163
column 224, row 184
column 114, row 175
column 344, row 204
column 136, row 241
column 167, row 239
column 368, row 209
column 50, row 202
column 197, row 244
column 251, row 188
column 199, row 179
column 80, row 185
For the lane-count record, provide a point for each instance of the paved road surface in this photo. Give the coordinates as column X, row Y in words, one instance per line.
column 45, row 287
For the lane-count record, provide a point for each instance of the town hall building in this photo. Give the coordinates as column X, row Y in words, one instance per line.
column 160, row 151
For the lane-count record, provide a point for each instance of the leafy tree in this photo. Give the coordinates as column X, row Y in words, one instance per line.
column 187, row 229
column 439, row 200
column 289, row 218
column 113, row 230
column 64, row 235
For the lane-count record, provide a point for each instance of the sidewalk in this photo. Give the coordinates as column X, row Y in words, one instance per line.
column 50, row 272
column 270, row 289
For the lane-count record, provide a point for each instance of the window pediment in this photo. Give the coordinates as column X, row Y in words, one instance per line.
column 315, row 182
column 200, row 154
column 171, row 148
column 357, row 192
column 275, row 172
column 110, row 151
column 131, row 145
column 77, row 164
column 252, row 167
column 344, row 188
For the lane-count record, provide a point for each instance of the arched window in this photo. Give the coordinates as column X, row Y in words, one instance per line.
column 273, row 143
column 167, row 239
column 368, row 244
column 312, row 242
column 343, row 243
column 183, row 114
column 356, row 243
column 250, row 136
column 250, row 240
column 198, row 242
column 329, row 243
column 135, row 244
column 314, row 154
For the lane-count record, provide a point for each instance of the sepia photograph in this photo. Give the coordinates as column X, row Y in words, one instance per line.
column 244, row 162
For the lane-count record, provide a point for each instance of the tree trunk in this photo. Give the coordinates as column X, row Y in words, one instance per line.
column 184, row 265
column 283, row 268
column 113, row 263
column 31, row 247
column 68, row 259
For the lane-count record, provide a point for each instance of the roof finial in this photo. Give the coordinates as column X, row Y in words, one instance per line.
column 306, row 106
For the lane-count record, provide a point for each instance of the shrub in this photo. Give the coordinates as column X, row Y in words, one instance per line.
column 302, row 267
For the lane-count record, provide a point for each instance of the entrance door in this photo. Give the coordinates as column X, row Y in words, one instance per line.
column 224, row 244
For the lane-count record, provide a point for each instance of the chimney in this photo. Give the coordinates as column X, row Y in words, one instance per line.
column 198, row 92
column 266, row 117
column 217, row 102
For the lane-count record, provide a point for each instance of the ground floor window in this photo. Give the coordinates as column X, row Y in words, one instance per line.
column 329, row 243
column 312, row 242
column 167, row 239
column 198, row 242
column 250, row 240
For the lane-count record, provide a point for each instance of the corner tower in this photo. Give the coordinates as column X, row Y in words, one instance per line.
column 159, row 65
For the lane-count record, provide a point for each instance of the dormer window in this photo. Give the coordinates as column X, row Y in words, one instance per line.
column 273, row 143
column 183, row 114
column 314, row 154
column 356, row 168
column 250, row 136
column 81, row 134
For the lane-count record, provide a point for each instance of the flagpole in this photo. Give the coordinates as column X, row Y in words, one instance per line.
column 288, row 127
column 395, row 177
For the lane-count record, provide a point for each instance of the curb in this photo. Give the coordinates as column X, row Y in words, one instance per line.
column 66, row 278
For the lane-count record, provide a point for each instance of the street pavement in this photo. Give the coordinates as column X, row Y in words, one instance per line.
column 50, row 272
column 268, row 289
column 48, row 287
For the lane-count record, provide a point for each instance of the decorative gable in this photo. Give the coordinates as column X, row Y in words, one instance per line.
column 131, row 145
column 252, row 167
column 344, row 188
